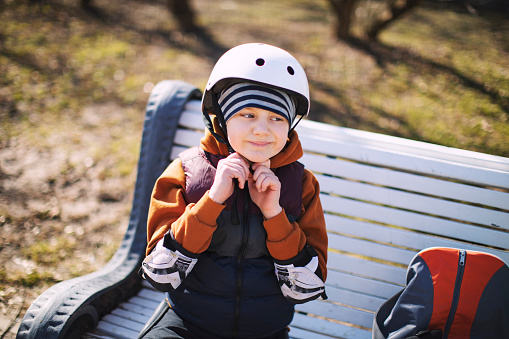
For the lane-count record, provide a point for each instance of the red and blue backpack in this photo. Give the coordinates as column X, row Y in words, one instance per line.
column 450, row 293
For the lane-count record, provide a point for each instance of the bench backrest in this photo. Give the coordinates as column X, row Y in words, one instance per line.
column 385, row 199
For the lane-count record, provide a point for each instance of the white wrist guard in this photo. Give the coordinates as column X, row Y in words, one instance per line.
column 300, row 283
column 166, row 267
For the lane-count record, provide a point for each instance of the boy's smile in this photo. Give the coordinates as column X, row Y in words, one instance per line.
column 257, row 134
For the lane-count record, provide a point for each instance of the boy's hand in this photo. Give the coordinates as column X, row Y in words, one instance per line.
column 228, row 169
column 265, row 189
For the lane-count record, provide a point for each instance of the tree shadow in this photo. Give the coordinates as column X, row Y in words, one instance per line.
column 385, row 55
column 204, row 44
column 347, row 116
column 198, row 42
column 343, row 115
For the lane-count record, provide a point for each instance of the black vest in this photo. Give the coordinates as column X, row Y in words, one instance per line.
column 233, row 290
column 200, row 170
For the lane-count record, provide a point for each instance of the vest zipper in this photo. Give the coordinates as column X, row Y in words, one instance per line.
column 456, row 294
column 239, row 260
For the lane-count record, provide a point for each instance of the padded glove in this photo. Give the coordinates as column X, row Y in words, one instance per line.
column 300, row 277
column 167, row 266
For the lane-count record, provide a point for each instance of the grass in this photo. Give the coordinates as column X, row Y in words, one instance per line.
column 463, row 83
column 432, row 69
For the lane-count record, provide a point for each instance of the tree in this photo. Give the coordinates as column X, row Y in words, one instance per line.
column 183, row 12
column 345, row 9
column 396, row 10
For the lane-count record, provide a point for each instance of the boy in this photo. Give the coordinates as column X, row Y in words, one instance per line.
column 236, row 233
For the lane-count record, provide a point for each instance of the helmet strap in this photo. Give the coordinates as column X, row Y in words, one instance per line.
column 222, row 123
column 295, row 124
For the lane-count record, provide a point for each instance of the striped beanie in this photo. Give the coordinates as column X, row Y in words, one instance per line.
column 241, row 95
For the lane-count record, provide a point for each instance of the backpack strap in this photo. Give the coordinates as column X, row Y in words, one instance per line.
column 428, row 334
column 382, row 313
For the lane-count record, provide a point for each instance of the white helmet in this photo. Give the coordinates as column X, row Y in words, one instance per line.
column 263, row 64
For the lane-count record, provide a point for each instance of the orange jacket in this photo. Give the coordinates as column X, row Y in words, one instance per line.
column 193, row 224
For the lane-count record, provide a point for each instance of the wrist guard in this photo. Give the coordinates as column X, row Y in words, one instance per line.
column 166, row 266
column 300, row 277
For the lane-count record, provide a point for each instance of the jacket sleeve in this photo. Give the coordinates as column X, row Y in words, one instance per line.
column 285, row 240
column 192, row 225
column 177, row 232
column 299, row 248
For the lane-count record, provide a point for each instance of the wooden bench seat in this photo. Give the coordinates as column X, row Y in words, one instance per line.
column 385, row 199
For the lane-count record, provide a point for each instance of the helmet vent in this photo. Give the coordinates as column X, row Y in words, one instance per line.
column 290, row 70
column 260, row 62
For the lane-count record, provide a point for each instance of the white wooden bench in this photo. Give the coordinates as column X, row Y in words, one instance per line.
column 385, row 199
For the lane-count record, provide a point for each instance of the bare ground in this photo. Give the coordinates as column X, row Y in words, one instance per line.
column 64, row 218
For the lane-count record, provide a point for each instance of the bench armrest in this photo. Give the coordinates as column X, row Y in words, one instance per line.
column 69, row 308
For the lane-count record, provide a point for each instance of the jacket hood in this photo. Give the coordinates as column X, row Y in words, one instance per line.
column 290, row 153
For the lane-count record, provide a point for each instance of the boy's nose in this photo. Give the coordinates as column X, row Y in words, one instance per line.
column 261, row 127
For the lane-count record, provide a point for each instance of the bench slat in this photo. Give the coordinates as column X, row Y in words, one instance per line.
column 408, row 162
column 151, row 294
column 366, row 268
column 413, row 202
column 337, row 312
column 361, row 285
column 191, row 117
column 415, row 221
column 354, row 299
column 398, row 237
column 332, row 329
column 144, row 302
column 188, row 138
column 135, row 326
column 96, row 335
column 406, row 181
column 403, row 146
column 130, row 315
column 141, row 310
column 370, row 249
column 297, row 333
column 175, row 151
column 116, row 331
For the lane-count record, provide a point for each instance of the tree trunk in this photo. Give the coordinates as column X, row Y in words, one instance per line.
column 343, row 9
column 397, row 9
column 183, row 12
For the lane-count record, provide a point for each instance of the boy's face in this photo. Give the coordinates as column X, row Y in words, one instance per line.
column 257, row 134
